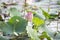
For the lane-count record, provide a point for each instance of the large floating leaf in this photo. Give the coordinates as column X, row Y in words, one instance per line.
column 6, row 28
column 14, row 12
column 15, row 24
column 1, row 38
column 18, row 23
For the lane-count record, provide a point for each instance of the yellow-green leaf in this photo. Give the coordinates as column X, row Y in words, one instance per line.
column 37, row 21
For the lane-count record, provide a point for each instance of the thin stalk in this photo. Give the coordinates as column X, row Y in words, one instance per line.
column 14, row 26
column 24, row 7
column 49, row 6
column 25, row 2
column 57, row 25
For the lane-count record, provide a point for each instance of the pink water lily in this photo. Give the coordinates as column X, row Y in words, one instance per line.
column 29, row 16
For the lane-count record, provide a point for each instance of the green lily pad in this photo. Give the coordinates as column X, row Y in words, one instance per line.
column 14, row 12
column 1, row 38
column 15, row 24
column 19, row 24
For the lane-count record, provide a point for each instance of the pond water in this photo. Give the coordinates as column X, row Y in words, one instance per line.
column 44, row 4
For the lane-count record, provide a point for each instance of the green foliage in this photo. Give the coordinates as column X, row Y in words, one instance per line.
column 58, row 2
column 37, row 22
column 15, row 24
column 48, row 9
column 47, row 16
column 45, row 35
column 36, row 15
column 18, row 23
column 5, row 27
column 32, row 33
column 14, row 12
column 1, row 19
column 1, row 38
column 53, row 16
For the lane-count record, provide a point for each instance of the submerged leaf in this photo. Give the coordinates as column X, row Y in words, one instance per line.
column 14, row 12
